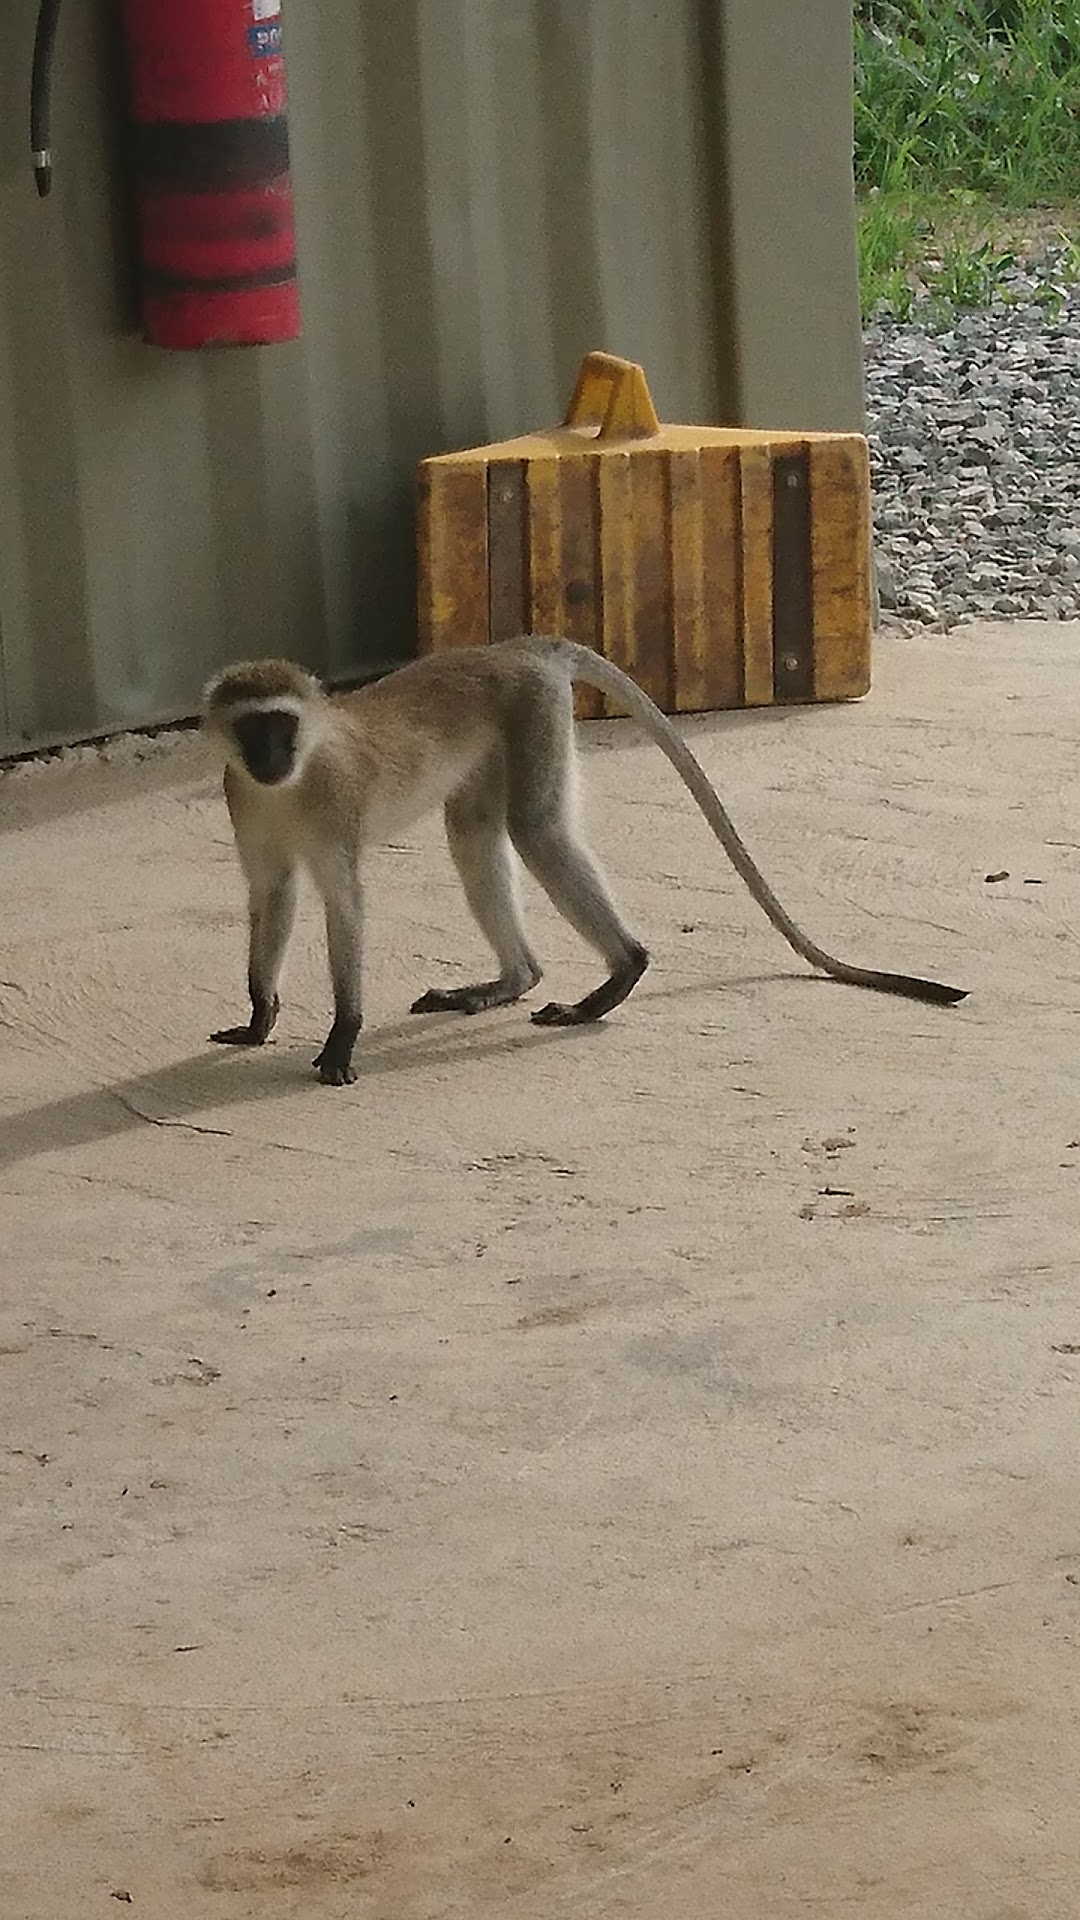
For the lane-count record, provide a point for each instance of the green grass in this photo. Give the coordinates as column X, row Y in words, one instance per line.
column 955, row 250
column 967, row 144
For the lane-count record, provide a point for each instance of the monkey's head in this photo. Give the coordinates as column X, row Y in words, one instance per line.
column 264, row 714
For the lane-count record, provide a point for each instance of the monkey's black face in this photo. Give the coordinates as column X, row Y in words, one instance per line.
column 267, row 741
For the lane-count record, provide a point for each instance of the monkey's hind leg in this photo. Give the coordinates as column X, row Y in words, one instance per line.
column 484, row 858
column 575, row 885
column 271, row 911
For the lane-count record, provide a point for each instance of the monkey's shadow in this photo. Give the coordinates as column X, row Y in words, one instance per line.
column 184, row 1094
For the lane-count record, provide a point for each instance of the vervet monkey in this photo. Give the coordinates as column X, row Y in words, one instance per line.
column 488, row 732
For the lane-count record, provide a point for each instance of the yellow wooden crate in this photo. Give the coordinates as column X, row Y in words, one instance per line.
column 719, row 567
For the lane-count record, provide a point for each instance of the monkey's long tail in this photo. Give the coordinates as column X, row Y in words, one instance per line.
column 585, row 665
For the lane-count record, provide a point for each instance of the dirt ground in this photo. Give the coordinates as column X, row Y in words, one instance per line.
column 617, row 1473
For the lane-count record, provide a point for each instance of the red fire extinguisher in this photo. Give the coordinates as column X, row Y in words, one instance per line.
column 217, row 249
column 213, row 196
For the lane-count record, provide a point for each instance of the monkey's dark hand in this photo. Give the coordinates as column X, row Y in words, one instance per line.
column 334, row 1067
column 334, row 1076
column 255, row 1033
column 334, row 1062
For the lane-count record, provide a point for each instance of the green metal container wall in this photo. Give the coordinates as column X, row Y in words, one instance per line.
column 486, row 189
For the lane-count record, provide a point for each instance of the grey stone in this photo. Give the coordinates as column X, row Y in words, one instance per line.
column 975, row 455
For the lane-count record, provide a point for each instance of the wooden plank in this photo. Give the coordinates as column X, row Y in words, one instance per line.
column 562, row 558
column 755, row 530
column 721, row 515
column 651, row 661
column 840, row 567
column 615, row 538
column 686, row 586
column 544, row 550
column 452, row 598
column 580, row 578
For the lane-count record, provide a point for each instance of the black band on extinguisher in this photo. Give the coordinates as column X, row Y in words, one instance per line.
column 204, row 156
column 157, row 280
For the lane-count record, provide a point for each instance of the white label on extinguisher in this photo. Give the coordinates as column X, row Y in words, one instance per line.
column 265, row 9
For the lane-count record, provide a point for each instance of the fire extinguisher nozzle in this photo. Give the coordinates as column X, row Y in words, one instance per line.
column 42, row 173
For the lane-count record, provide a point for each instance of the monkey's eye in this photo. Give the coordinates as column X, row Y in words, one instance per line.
column 267, row 741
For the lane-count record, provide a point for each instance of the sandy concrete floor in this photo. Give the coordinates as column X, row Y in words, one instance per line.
column 617, row 1473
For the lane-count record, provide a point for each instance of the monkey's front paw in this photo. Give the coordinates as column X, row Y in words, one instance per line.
column 333, row 1062
column 334, row 1066
column 263, row 1015
column 334, row 1073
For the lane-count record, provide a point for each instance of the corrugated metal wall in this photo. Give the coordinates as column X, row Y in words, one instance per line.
column 485, row 190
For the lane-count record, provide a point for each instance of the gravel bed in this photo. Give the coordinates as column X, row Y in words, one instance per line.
column 975, row 452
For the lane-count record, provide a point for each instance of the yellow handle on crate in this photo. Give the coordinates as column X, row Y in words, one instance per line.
column 613, row 396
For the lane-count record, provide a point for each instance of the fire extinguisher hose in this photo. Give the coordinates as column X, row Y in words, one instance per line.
column 41, row 94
